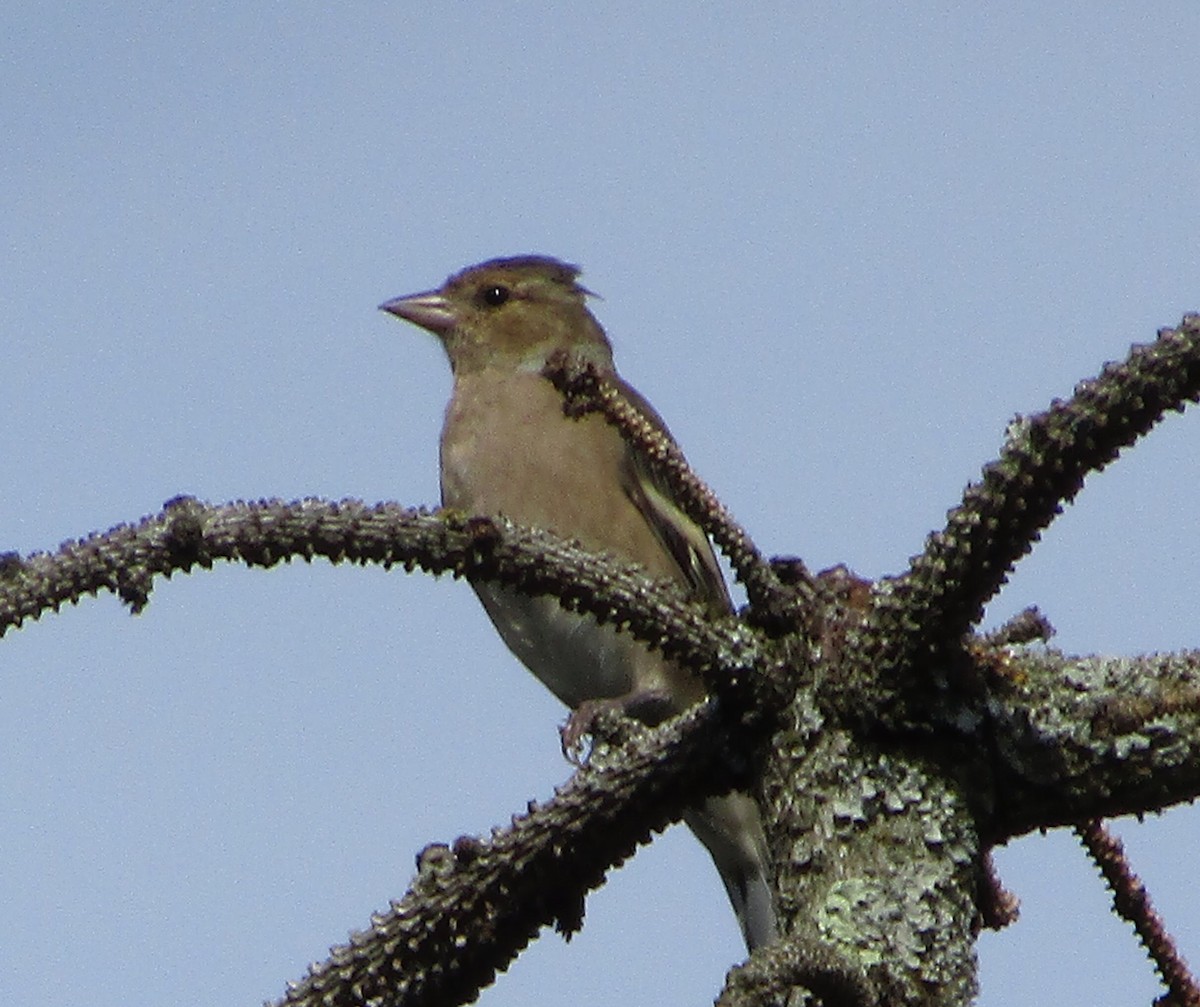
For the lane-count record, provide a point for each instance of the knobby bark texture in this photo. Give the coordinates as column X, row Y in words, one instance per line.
column 890, row 745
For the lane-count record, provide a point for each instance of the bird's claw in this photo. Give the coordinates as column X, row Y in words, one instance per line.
column 580, row 724
column 650, row 707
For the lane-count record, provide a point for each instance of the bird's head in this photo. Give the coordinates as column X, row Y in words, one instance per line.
column 511, row 313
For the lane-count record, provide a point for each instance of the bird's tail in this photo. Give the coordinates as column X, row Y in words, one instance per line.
column 731, row 828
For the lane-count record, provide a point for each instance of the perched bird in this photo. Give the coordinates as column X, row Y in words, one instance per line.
column 508, row 449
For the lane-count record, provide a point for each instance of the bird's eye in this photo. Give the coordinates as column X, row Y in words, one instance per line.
column 495, row 295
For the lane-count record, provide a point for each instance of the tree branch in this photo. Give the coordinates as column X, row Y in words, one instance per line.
column 1132, row 902
column 1094, row 737
column 474, row 905
column 774, row 605
column 1042, row 466
column 187, row 533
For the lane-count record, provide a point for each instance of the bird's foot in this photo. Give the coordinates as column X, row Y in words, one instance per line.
column 650, row 707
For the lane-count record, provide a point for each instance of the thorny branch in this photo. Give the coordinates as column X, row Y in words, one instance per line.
column 476, row 903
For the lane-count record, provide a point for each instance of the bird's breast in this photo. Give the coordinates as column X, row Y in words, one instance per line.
column 508, row 449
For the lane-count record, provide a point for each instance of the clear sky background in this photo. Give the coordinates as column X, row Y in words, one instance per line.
column 838, row 247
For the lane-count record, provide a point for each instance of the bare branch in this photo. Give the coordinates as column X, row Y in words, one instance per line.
column 773, row 605
column 1041, row 467
column 776, row 973
column 495, row 890
column 1131, row 901
column 1079, row 738
column 474, row 905
column 188, row 533
column 1027, row 626
column 900, row 748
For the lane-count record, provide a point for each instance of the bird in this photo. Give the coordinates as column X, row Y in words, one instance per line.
column 509, row 450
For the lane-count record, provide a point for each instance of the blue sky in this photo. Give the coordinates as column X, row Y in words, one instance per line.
column 837, row 247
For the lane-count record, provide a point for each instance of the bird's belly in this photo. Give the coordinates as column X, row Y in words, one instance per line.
column 574, row 657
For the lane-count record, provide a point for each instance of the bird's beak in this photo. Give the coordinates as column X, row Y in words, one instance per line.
column 429, row 310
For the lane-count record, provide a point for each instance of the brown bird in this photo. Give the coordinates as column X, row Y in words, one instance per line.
column 507, row 449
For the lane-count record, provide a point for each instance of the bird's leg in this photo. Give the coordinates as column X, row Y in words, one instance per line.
column 649, row 706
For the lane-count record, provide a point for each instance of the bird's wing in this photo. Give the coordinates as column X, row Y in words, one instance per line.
column 683, row 539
